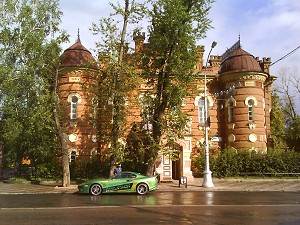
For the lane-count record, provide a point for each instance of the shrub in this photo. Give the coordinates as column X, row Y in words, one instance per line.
column 87, row 169
column 229, row 162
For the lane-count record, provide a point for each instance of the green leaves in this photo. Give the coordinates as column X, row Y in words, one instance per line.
column 175, row 27
column 28, row 61
column 117, row 77
column 231, row 163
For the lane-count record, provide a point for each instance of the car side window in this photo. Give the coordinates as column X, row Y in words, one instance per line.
column 118, row 176
column 126, row 175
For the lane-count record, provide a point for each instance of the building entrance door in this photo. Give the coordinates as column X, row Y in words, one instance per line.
column 177, row 165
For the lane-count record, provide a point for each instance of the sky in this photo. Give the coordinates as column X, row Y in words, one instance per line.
column 267, row 28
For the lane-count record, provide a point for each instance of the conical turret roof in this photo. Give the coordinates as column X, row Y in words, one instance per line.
column 77, row 56
column 240, row 61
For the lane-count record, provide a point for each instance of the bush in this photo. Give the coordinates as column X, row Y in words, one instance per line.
column 88, row 169
column 229, row 162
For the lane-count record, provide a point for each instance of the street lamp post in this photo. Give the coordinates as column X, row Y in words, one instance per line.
column 207, row 179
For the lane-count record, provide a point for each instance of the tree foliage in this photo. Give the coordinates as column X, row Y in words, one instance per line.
column 277, row 122
column 29, row 50
column 231, row 163
column 293, row 134
column 169, row 60
column 118, row 76
column 289, row 92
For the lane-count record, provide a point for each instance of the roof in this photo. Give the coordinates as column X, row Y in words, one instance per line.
column 77, row 55
column 240, row 61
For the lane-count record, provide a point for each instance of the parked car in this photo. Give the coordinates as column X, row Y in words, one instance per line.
column 121, row 182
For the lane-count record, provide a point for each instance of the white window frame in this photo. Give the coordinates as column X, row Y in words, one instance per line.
column 201, row 111
column 250, row 110
column 199, row 103
column 251, row 102
column 73, row 156
column 74, row 105
column 231, row 103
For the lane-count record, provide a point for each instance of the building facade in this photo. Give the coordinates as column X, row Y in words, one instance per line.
column 75, row 75
column 239, row 104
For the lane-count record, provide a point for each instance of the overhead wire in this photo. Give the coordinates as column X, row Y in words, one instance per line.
column 287, row 55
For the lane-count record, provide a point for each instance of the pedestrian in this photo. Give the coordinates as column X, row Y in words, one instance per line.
column 118, row 169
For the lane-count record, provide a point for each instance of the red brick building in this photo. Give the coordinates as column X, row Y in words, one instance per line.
column 75, row 74
column 239, row 104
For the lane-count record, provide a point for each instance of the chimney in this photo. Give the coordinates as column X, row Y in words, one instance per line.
column 200, row 53
column 265, row 64
column 139, row 39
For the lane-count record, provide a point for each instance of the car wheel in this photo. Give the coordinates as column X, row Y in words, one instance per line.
column 95, row 189
column 142, row 189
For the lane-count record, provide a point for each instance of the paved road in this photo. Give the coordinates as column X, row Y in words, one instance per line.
column 191, row 207
column 287, row 185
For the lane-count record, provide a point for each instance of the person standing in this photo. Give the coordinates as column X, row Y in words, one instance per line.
column 118, row 169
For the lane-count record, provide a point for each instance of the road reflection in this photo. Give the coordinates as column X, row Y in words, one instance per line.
column 129, row 199
column 208, row 198
column 164, row 198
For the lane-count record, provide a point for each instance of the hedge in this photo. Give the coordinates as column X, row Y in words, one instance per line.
column 230, row 163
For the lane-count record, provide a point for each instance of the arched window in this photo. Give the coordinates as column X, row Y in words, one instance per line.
column 251, row 102
column 73, row 156
column 199, row 103
column 74, row 99
column 94, row 152
column 231, row 103
column 74, row 102
column 230, row 112
column 250, row 110
column 201, row 111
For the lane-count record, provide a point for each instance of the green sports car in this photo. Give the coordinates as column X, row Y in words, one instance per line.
column 121, row 182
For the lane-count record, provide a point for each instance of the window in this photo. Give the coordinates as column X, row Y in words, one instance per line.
column 250, row 109
column 146, row 115
column 201, row 111
column 230, row 112
column 146, row 102
column 94, row 152
column 74, row 102
column 251, row 102
column 73, row 156
column 74, row 99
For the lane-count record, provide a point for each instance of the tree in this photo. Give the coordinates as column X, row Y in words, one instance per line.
column 117, row 76
column 176, row 26
column 277, row 122
column 293, row 134
column 29, row 50
column 288, row 90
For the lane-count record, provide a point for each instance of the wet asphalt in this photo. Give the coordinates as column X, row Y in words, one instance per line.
column 252, row 185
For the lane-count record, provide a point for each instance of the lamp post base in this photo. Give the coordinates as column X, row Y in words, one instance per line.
column 207, row 180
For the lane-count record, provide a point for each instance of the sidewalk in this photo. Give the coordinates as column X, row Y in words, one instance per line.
column 228, row 184
column 284, row 185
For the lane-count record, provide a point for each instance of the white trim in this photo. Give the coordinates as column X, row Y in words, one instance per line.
column 74, row 94
column 251, row 98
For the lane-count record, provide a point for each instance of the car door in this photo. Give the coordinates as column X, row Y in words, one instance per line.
column 125, row 181
column 120, row 182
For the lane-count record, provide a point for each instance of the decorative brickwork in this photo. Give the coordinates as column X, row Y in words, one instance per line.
column 239, row 101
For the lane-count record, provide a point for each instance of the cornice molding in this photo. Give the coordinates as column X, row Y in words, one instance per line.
column 224, row 78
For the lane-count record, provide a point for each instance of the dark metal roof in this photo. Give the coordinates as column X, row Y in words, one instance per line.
column 239, row 61
column 77, row 55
